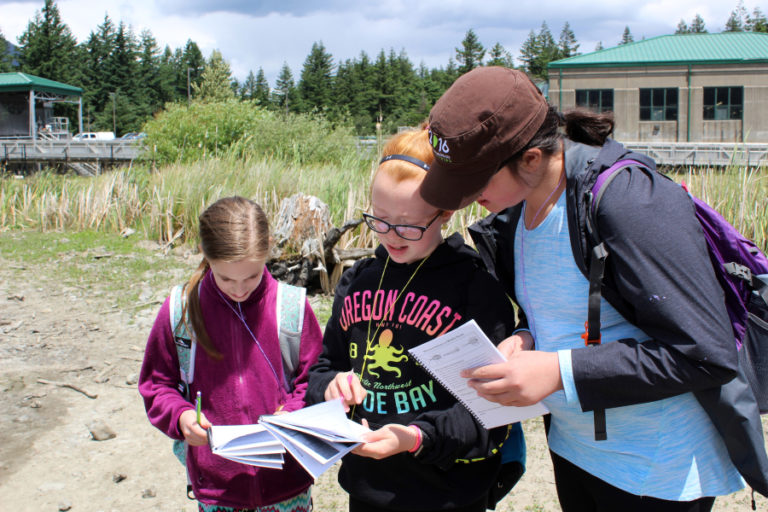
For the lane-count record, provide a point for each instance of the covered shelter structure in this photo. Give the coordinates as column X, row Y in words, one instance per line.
column 686, row 88
column 26, row 107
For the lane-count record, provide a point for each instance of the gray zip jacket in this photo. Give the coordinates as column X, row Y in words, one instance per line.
column 656, row 249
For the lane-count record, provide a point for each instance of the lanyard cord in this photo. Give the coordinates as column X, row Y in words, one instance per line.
column 386, row 312
column 522, row 246
column 239, row 314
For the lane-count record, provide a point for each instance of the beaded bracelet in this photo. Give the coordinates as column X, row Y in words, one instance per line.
column 418, row 438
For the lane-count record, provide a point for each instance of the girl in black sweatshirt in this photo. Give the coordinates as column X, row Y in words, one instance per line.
column 426, row 451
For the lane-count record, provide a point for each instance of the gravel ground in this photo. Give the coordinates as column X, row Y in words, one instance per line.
column 69, row 360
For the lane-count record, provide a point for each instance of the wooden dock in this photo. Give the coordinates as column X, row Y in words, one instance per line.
column 85, row 157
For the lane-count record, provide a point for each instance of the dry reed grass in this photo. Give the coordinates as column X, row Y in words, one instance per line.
column 165, row 205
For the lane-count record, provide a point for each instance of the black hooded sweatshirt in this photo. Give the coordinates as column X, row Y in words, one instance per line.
column 449, row 289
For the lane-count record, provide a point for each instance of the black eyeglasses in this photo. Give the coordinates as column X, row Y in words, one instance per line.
column 407, row 231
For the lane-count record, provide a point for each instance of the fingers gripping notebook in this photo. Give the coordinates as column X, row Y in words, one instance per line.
column 463, row 348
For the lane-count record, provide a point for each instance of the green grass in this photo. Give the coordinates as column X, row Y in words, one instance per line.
column 119, row 269
column 321, row 305
column 106, row 263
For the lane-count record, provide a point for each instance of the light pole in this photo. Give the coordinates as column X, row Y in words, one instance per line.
column 189, row 91
column 114, row 113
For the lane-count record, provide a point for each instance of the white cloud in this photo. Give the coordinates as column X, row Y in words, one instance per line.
column 267, row 33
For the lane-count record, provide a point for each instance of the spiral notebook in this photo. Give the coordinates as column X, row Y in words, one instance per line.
column 465, row 347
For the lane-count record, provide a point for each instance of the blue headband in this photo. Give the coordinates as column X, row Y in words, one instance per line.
column 414, row 161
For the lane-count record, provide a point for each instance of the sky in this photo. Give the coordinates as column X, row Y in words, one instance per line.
column 253, row 34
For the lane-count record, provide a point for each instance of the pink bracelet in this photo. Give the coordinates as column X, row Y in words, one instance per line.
column 418, row 439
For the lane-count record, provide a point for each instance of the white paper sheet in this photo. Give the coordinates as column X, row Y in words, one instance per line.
column 466, row 347
column 316, row 436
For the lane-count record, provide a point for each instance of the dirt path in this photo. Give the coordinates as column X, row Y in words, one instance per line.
column 72, row 335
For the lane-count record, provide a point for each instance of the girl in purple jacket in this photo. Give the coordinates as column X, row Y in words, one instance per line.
column 231, row 309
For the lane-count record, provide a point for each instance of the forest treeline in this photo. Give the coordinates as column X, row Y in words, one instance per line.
column 127, row 77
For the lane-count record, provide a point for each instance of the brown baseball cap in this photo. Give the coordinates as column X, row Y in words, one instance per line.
column 488, row 115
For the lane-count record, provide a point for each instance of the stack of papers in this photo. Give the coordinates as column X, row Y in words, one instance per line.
column 463, row 348
column 316, row 436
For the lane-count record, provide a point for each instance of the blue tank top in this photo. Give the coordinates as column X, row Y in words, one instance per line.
column 666, row 449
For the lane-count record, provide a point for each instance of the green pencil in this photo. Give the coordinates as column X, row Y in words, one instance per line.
column 199, row 405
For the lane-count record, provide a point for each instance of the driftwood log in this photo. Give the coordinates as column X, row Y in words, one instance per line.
column 305, row 252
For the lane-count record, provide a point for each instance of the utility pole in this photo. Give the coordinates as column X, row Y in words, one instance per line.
column 114, row 113
column 189, row 91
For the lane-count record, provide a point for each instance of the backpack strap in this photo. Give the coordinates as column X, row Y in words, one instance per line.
column 186, row 346
column 289, row 312
column 591, row 335
column 183, row 338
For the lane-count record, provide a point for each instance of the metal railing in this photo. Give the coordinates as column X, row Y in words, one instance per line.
column 52, row 150
column 703, row 153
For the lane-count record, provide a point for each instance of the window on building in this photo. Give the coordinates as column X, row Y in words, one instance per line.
column 723, row 103
column 596, row 100
column 658, row 104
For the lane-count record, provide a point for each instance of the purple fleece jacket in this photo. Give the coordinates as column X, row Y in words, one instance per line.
column 235, row 390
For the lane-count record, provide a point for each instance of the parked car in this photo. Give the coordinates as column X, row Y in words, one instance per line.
column 94, row 136
column 133, row 136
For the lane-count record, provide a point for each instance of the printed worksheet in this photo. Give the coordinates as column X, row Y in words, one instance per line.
column 466, row 347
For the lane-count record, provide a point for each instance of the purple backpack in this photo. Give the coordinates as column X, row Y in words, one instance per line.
column 740, row 267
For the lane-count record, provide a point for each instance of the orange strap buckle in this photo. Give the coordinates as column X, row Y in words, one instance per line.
column 586, row 339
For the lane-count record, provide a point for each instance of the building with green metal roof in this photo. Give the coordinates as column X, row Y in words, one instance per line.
column 26, row 105
column 675, row 88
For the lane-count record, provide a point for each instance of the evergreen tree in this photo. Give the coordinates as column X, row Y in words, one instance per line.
column 757, row 22
column 471, row 53
column 529, row 52
column 169, row 64
column 191, row 67
column 261, row 91
column 48, row 48
column 117, row 99
column 122, row 62
column 356, row 92
column 737, row 20
column 428, row 89
column 248, row 90
column 548, row 48
column 697, row 25
column 96, row 81
column 5, row 56
column 538, row 51
column 154, row 76
column 215, row 81
column 134, row 95
column 440, row 79
column 567, row 45
column 397, row 97
column 626, row 37
column 498, row 56
column 285, row 90
column 449, row 74
column 316, row 83
column 682, row 28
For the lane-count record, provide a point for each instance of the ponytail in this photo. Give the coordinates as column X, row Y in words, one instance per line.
column 588, row 127
column 581, row 126
column 192, row 314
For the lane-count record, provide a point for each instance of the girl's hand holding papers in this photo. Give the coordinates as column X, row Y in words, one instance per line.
column 526, row 378
column 388, row 440
column 194, row 433
column 345, row 385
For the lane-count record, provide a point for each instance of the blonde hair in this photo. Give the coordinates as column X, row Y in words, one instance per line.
column 413, row 143
column 231, row 229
